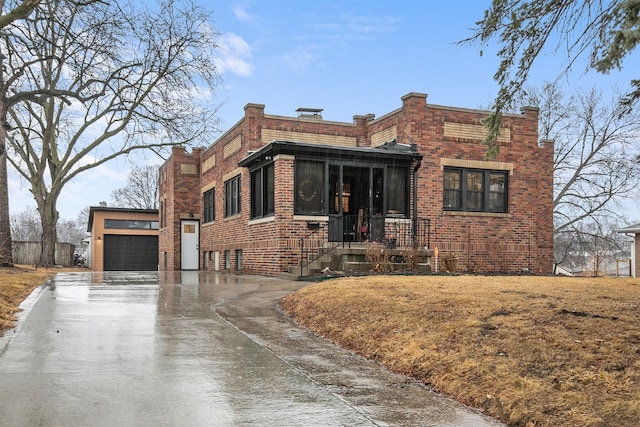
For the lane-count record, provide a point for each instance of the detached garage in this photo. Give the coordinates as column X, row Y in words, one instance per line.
column 123, row 239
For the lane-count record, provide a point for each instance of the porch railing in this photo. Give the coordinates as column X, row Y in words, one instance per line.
column 346, row 229
column 405, row 233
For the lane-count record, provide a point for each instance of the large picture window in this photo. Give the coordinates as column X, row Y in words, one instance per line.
column 473, row 190
column 209, row 205
column 309, row 187
column 262, row 195
column 232, row 196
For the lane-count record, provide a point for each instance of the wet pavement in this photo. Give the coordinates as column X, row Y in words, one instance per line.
column 193, row 349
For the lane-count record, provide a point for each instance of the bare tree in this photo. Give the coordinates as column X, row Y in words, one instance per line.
column 595, row 148
column 590, row 248
column 18, row 11
column 71, row 231
column 594, row 167
column 605, row 31
column 141, row 191
column 25, row 226
column 101, row 80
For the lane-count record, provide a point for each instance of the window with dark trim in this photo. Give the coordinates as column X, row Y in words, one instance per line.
column 309, row 187
column 130, row 224
column 397, row 190
column 209, row 205
column 262, row 192
column 232, row 196
column 472, row 190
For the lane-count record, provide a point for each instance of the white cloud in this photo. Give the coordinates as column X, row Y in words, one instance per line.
column 235, row 55
column 241, row 13
column 302, row 59
column 340, row 32
column 349, row 27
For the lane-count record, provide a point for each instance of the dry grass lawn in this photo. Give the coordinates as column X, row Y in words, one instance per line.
column 16, row 283
column 529, row 351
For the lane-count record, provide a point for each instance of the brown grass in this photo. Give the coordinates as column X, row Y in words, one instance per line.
column 529, row 351
column 16, row 283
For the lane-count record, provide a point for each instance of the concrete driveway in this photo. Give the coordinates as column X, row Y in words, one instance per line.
column 193, row 349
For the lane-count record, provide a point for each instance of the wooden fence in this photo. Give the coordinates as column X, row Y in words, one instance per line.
column 29, row 253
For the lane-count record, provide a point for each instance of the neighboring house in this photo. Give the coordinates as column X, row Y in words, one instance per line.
column 123, row 239
column 415, row 177
column 635, row 245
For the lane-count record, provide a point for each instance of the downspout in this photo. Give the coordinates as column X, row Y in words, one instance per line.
column 414, row 224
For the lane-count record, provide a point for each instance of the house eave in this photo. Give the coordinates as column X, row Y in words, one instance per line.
column 389, row 152
column 631, row 229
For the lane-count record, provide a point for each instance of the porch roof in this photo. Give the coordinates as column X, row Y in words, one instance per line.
column 391, row 151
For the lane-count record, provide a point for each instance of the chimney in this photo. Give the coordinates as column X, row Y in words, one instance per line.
column 309, row 113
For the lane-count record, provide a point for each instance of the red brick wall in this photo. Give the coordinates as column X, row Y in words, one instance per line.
column 179, row 193
column 523, row 238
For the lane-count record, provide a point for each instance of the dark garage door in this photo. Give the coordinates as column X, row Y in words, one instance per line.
column 130, row 253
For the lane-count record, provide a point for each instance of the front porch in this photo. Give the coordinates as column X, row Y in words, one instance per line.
column 344, row 244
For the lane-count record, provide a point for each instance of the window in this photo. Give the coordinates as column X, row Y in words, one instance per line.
column 239, row 259
column 309, row 187
column 475, row 190
column 232, row 196
column 130, row 224
column 209, row 205
column 397, row 191
column 262, row 196
column 497, row 192
column 452, row 190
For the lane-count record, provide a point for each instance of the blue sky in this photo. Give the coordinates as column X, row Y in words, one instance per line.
column 349, row 57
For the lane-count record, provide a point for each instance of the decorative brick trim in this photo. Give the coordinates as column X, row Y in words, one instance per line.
column 209, row 163
column 476, row 132
column 188, row 169
column 208, row 187
column 269, row 135
column 232, row 147
column 385, row 135
column 477, row 164
column 227, row 176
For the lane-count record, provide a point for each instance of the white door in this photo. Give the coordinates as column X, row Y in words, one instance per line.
column 189, row 245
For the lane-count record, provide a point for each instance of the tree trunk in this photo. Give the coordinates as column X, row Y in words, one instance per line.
column 49, row 221
column 6, row 247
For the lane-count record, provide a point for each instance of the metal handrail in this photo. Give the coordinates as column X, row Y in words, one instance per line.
column 322, row 228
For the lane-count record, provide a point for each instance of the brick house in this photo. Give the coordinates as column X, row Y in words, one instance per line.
column 416, row 176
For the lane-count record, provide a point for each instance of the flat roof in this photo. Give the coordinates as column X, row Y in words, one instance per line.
column 94, row 209
column 630, row 229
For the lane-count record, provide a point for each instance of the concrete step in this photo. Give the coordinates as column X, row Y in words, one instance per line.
column 290, row 276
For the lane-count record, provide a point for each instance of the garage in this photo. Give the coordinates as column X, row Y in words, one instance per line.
column 123, row 239
column 130, row 253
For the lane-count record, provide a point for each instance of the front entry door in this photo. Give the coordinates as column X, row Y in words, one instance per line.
column 355, row 197
column 189, row 245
